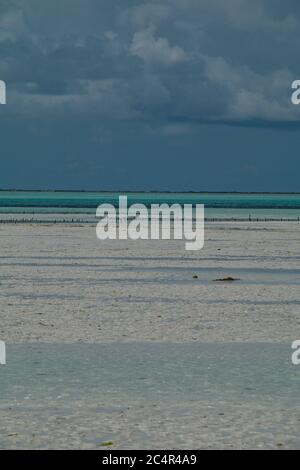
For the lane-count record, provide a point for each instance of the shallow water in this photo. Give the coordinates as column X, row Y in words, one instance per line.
column 81, row 206
column 118, row 374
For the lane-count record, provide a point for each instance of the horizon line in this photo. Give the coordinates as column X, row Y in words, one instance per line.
column 151, row 191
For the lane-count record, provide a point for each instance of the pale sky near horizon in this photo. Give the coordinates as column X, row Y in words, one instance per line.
column 139, row 95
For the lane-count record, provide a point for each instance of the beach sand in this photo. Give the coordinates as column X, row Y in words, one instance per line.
column 59, row 286
column 59, row 283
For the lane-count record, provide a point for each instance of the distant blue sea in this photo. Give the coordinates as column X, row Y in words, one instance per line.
column 217, row 205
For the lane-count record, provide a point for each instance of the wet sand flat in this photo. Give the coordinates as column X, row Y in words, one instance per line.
column 137, row 344
column 61, row 284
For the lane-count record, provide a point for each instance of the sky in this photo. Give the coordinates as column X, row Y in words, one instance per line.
column 176, row 95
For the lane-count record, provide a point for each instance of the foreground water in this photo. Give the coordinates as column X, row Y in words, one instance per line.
column 143, row 373
column 141, row 395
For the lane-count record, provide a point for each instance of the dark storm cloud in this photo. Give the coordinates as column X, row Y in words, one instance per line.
column 167, row 61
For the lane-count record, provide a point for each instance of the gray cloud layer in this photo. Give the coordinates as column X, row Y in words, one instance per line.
column 167, row 63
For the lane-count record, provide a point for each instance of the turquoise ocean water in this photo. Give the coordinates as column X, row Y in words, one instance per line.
column 217, row 205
